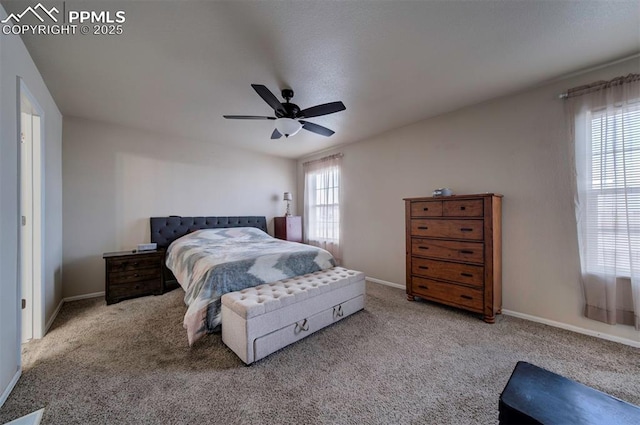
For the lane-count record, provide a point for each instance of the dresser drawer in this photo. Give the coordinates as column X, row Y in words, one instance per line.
column 132, row 263
column 462, row 273
column 463, row 208
column 135, row 289
column 426, row 209
column 449, row 293
column 472, row 252
column 134, row 275
column 453, row 229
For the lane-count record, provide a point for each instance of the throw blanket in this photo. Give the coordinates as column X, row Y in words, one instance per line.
column 209, row 263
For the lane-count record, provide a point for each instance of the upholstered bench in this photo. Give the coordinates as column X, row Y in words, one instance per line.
column 536, row 396
column 261, row 320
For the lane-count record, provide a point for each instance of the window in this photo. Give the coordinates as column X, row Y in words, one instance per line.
column 324, row 206
column 604, row 124
column 613, row 198
column 322, row 203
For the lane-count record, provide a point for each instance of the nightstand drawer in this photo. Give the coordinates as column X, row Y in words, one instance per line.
column 134, row 275
column 135, row 289
column 462, row 273
column 448, row 293
column 132, row 263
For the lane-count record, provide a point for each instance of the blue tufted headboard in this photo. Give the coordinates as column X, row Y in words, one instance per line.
column 165, row 230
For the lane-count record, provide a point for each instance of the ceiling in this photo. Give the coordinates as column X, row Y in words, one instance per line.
column 180, row 65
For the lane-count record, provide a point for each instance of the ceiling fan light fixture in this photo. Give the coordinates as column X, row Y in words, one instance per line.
column 288, row 126
column 289, row 118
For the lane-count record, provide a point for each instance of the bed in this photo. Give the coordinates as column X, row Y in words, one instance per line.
column 165, row 230
column 212, row 256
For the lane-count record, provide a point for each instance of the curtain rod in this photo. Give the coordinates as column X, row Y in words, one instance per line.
column 326, row 158
column 598, row 85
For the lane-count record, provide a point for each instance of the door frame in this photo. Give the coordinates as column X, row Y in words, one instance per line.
column 38, row 214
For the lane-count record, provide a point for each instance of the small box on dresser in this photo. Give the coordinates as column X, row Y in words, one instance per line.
column 454, row 251
column 132, row 274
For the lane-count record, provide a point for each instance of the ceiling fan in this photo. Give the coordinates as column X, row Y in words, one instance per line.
column 288, row 116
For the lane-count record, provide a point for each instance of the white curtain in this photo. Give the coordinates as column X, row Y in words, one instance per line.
column 605, row 130
column 322, row 201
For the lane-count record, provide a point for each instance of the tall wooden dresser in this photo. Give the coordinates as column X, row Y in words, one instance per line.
column 454, row 251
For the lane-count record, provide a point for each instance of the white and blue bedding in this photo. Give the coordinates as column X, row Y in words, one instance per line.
column 212, row 262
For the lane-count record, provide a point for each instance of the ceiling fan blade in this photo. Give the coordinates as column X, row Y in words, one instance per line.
column 270, row 98
column 247, row 117
column 276, row 134
column 325, row 109
column 315, row 128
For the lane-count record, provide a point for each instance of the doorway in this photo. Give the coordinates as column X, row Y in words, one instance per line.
column 31, row 236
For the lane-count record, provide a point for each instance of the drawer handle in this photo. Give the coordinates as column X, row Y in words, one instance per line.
column 423, row 267
column 301, row 327
column 423, row 228
column 465, row 251
column 425, row 209
column 466, row 274
column 423, row 287
column 466, row 297
column 466, row 229
column 135, row 264
column 463, row 208
column 137, row 287
column 136, row 275
column 423, row 247
column 337, row 312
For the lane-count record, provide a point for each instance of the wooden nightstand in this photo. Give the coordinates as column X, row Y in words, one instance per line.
column 288, row 228
column 131, row 274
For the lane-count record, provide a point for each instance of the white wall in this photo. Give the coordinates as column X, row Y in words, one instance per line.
column 115, row 178
column 515, row 146
column 16, row 62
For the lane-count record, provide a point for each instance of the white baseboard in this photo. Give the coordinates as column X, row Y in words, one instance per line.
column 84, row 296
column 386, row 283
column 66, row 300
column 537, row 319
column 572, row 328
column 7, row 391
column 53, row 317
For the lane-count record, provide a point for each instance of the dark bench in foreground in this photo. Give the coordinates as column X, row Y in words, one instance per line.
column 536, row 396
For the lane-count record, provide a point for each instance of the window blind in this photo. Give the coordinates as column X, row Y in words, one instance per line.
column 613, row 198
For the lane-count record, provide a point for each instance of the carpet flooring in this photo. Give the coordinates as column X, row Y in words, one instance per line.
column 396, row 362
